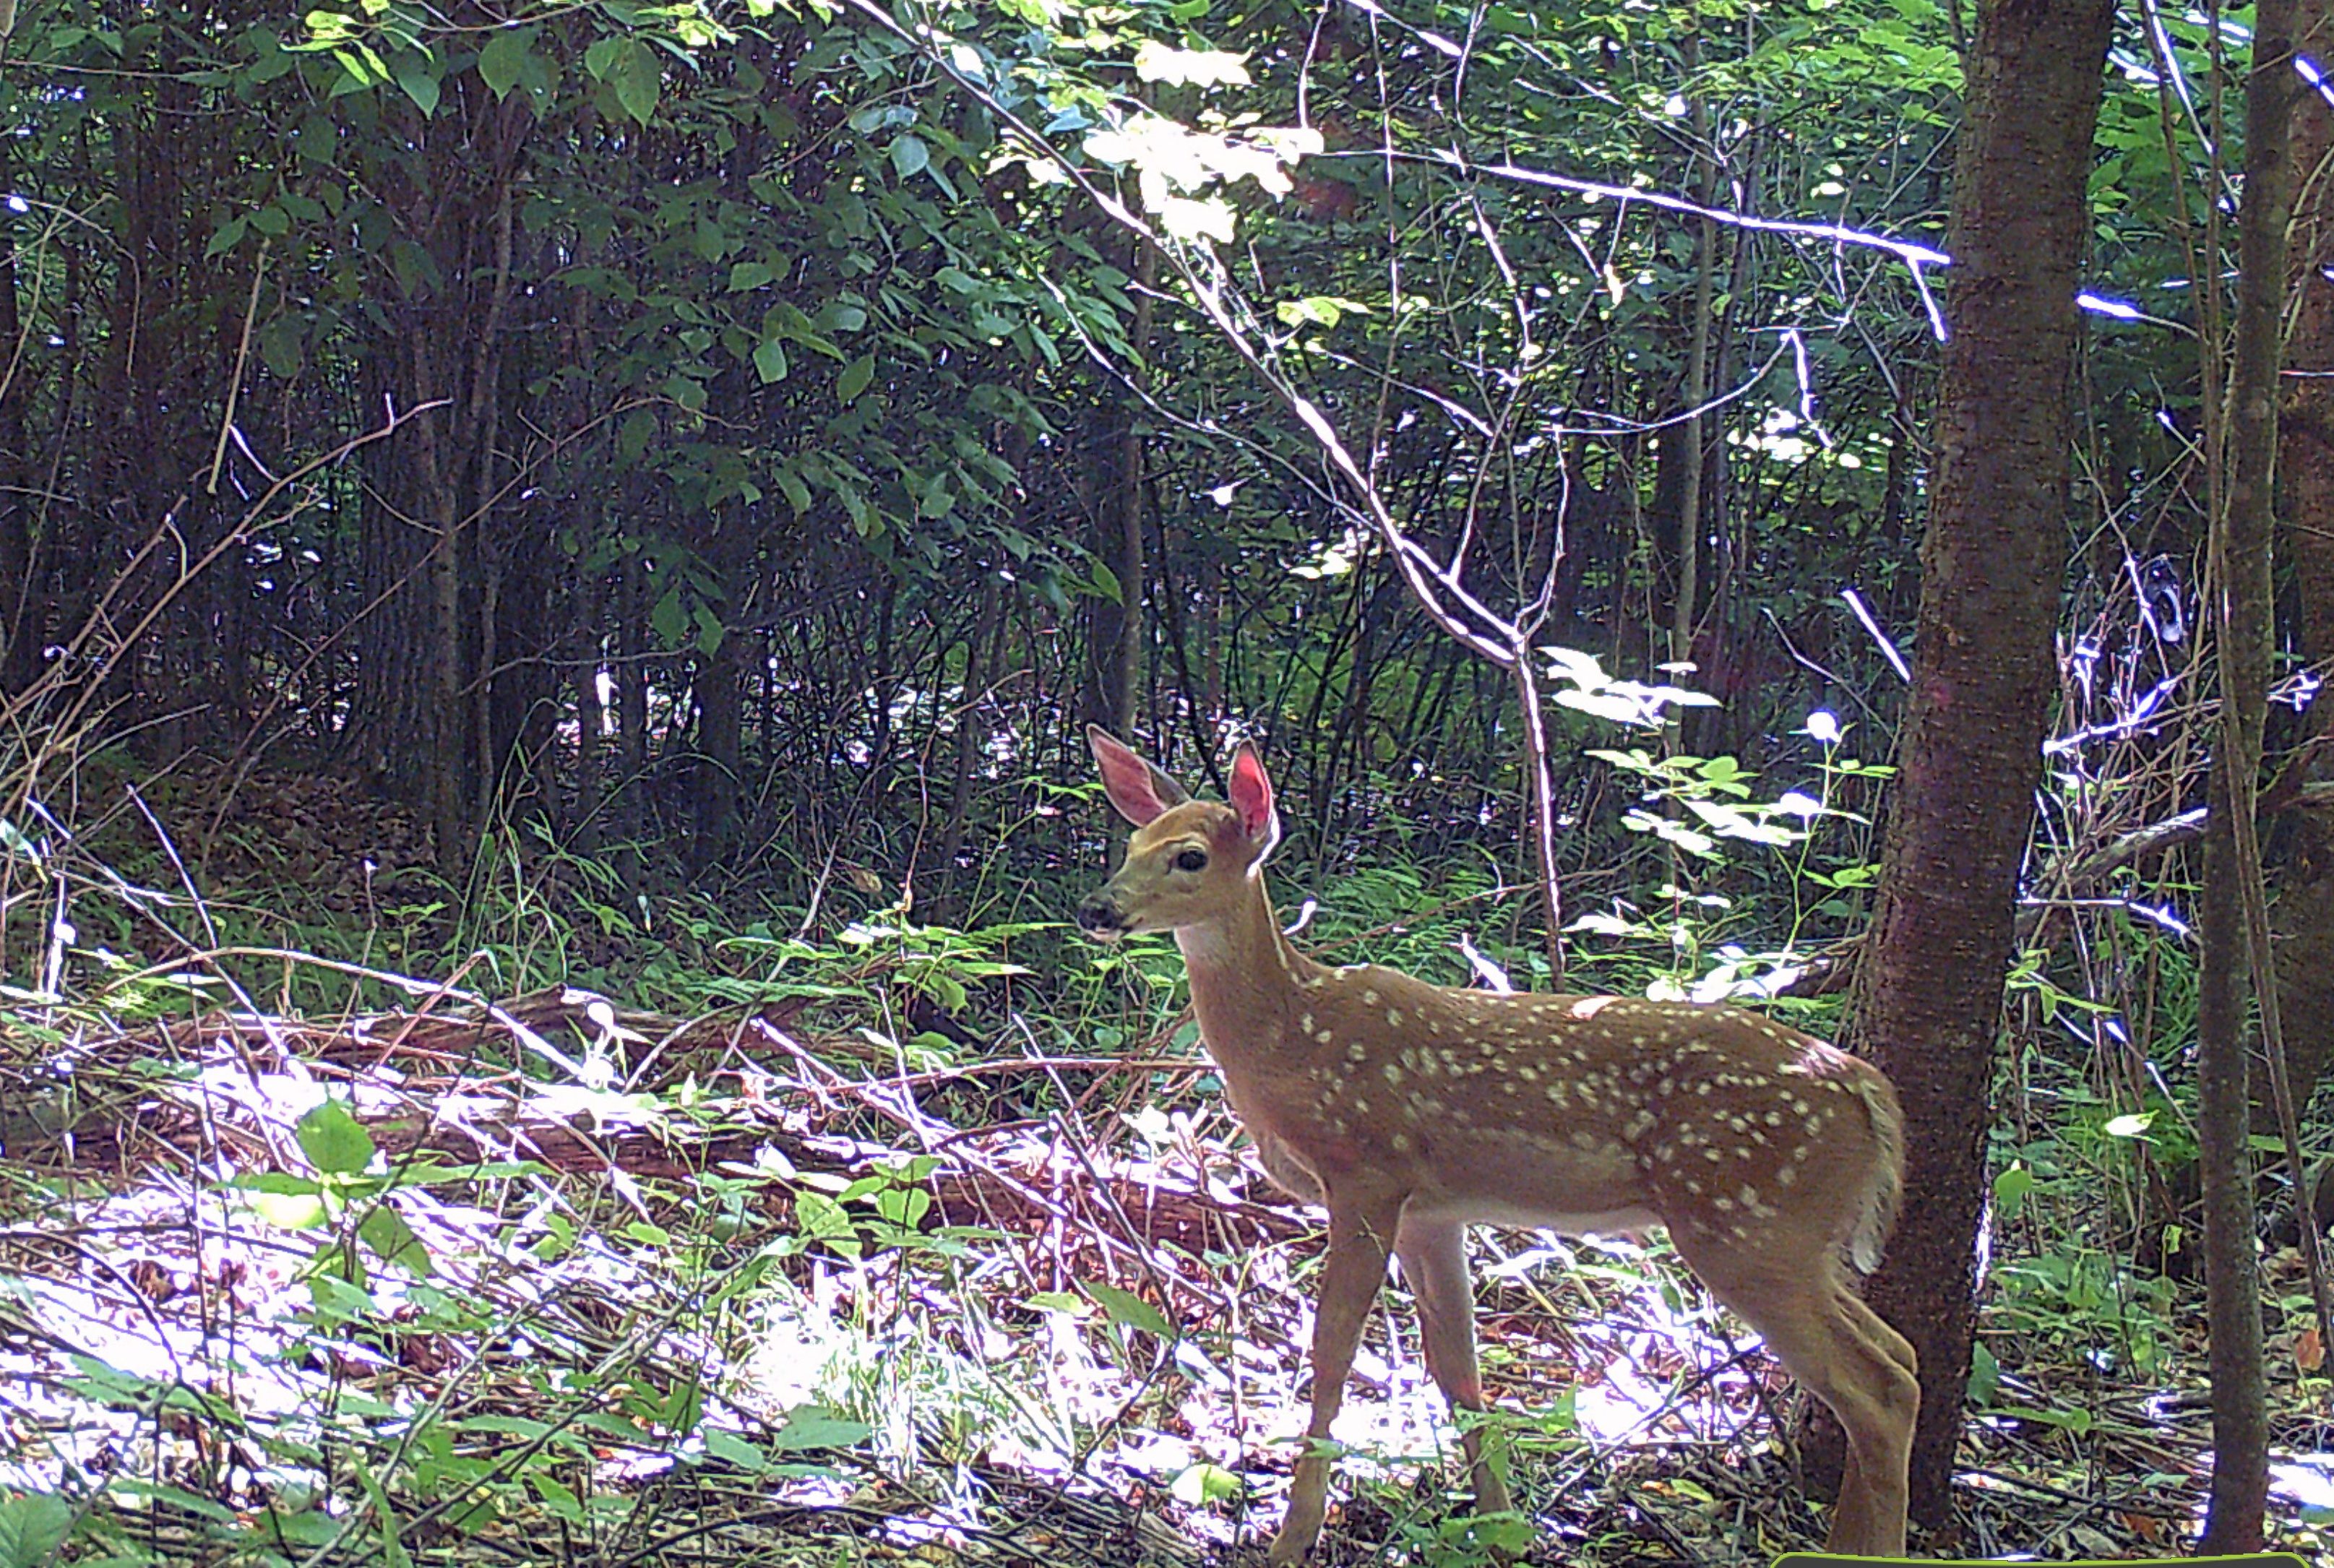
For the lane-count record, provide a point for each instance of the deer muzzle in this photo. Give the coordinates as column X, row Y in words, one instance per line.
column 1098, row 917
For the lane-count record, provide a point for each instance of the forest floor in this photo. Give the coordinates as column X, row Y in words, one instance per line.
column 546, row 1280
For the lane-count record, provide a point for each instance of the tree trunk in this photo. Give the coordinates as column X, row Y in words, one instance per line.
column 1686, row 608
column 2302, row 842
column 23, row 617
column 392, row 728
column 1930, row 1008
column 980, row 652
column 632, row 690
column 2244, row 630
column 591, row 712
column 1118, row 629
column 449, row 751
column 720, row 760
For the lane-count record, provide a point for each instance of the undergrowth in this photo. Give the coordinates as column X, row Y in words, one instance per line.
column 576, row 1211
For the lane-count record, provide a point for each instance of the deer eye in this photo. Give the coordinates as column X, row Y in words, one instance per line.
column 1191, row 861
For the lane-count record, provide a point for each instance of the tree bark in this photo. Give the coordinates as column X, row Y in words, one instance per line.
column 1930, row 1008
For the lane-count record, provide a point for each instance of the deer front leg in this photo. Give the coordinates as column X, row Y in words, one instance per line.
column 1359, row 1238
column 1434, row 1255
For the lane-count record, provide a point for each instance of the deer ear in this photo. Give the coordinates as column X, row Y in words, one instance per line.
column 1139, row 791
column 1251, row 797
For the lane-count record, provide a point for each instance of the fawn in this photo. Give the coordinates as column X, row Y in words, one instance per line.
column 1411, row 1110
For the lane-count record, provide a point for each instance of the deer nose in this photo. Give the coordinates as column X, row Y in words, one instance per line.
column 1098, row 915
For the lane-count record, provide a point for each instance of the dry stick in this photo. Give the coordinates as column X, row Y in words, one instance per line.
column 242, row 358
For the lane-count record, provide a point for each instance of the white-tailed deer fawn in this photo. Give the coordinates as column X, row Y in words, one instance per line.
column 1411, row 1111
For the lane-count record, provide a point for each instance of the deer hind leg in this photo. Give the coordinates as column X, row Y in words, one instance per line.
column 1359, row 1239
column 1886, row 1491
column 1841, row 1351
column 1434, row 1256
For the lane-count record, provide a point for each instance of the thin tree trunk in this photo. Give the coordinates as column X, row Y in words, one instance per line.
column 633, row 693
column 720, row 760
column 1134, row 487
column 1686, row 608
column 1992, row 560
column 20, row 616
column 1540, row 808
column 449, row 748
column 2241, row 550
column 489, row 576
column 591, row 714
column 979, row 652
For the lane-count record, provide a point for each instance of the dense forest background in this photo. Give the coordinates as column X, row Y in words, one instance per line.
column 636, row 504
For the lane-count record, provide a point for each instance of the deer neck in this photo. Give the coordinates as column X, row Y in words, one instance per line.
column 1245, row 979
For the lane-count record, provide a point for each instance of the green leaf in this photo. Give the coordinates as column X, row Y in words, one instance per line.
column 635, row 435
column 908, row 156
column 503, row 58
column 317, row 140
column 364, row 69
column 637, row 78
column 822, row 1219
column 855, row 376
column 337, row 1301
column 709, row 630
column 2009, row 1190
column 815, row 1426
column 1158, row 62
column 230, row 235
column 31, row 1528
column 419, row 78
column 2075, row 1421
column 333, row 1141
column 393, row 1241
column 2135, row 1125
column 730, row 1446
column 748, row 276
column 290, row 1210
column 392, row 1549
column 1124, row 1306
column 1317, row 311
column 669, row 619
column 770, row 361
column 1986, row 1376
column 1204, row 1484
